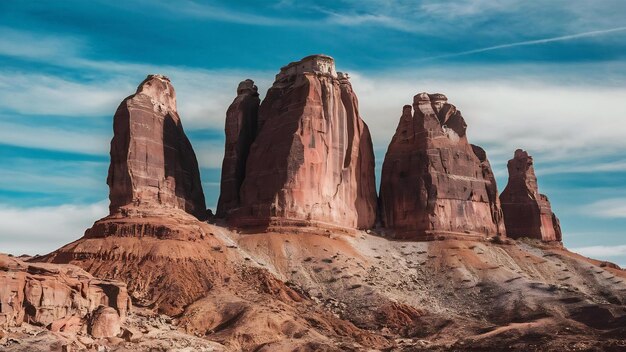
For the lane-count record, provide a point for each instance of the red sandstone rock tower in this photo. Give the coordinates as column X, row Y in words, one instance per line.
column 241, row 128
column 433, row 181
column 527, row 213
column 312, row 160
column 152, row 162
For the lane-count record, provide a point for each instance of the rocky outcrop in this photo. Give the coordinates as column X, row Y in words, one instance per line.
column 527, row 213
column 312, row 160
column 152, row 162
column 433, row 181
column 54, row 295
column 241, row 126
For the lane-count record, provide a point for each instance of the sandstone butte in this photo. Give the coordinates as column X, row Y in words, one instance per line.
column 433, row 180
column 152, row 162
column 527, row 213
column 311, row 160
column 156, row 202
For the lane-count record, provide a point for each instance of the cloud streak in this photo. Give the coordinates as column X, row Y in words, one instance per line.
column 602, row 251
column 614, row 208
column 527, row 43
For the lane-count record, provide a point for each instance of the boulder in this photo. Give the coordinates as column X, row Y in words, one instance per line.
column 312, row 159
column 527, row 213
column 152, row 162
column 241, row 129
column 433, row 181
column 104, row 322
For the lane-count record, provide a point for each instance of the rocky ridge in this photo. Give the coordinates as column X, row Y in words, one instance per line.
column 313, row 287
column 59, row 297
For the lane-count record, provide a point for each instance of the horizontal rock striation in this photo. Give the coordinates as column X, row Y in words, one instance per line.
column 433, row 181
column 527, row 213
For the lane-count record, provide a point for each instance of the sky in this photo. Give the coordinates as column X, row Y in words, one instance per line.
column 546, row 76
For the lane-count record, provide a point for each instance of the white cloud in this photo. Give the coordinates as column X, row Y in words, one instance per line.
column 601, row 251
column 40, row 230
column 210, row 153
column 30, row 45
column 39, row 94
column 466, row 8
column 552, row 120
column 202, row 95
column 54, row 138
column 614, row 208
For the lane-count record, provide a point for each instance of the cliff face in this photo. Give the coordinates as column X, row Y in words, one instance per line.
column 527, row 213
column 312, row 159
column 152, row 161
column 433, row 181
column 43, row 294
column 241, row 129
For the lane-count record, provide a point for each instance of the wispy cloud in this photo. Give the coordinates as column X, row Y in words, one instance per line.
column 54, row 138
column 45, row 94
column 614, row 208
column 39, row 230
column 527, row 43
column 602, row 251
column 32, row 45
column 506, row 114
column 62, row 178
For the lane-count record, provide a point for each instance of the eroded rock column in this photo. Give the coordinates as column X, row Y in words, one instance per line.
column 527, row 213
column 433, row 181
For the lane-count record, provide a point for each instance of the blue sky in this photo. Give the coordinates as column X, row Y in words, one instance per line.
column 544, row 76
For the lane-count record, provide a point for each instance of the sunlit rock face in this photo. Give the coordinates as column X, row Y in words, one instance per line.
column 241, row 128
column 43, row 294
column 433, row 181
column 152, row 162
column 312, row 159
column 527, row 213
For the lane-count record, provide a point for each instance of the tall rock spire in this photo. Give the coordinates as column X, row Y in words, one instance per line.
column 241, row 128
column 433, row 181
column 152, row 161
column 527, row 213
column 312, row 159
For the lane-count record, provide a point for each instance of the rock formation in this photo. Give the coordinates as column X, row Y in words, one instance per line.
column 312, row 159
column 104, row 322
column 44, row 294
column 527, row 213
column 152, row 161
column 433, row 181
column 241, row 125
